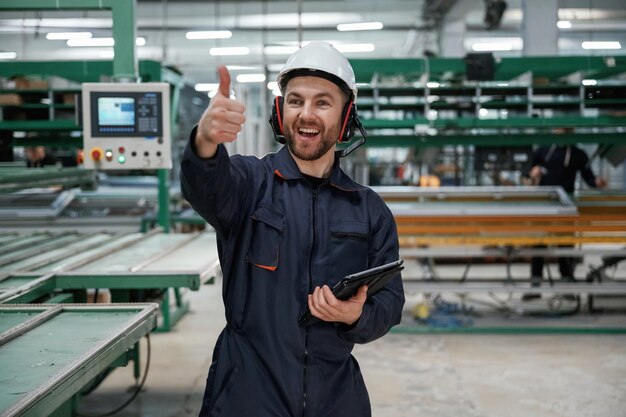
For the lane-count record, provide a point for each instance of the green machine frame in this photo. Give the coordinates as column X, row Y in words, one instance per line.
column 124, row 66
column 123, row 13
column 89, row 71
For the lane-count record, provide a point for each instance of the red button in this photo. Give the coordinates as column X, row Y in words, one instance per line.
column 96, row 154
column 121, row 149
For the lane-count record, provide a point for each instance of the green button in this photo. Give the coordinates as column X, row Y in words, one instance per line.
column 121, row 159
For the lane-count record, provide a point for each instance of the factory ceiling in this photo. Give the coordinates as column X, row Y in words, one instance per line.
column 266, row 31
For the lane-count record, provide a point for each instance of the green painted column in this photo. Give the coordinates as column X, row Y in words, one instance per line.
column 164, row 200
column 124, row 35
column 123, row 14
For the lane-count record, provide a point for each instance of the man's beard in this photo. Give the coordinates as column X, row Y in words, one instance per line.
column 311, row 152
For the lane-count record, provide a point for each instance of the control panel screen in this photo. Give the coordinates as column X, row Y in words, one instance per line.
column 116, row 111
column 121, row 114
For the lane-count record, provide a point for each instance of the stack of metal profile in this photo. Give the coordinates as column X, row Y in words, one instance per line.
column 15, row 178
column 501, row 216
column 119, row 209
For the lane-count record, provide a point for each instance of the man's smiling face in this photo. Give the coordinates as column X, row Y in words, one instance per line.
column 312, row 116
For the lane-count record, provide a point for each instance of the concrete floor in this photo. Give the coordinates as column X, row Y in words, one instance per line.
column 434, row 375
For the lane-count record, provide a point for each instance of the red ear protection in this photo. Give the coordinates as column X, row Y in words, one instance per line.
column 276, row 120
column 348, row 118
column 347, row 127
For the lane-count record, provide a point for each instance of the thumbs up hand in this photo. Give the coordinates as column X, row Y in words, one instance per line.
column 221, row 121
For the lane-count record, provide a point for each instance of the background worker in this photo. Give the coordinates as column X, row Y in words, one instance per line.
column 559, row 165
column 37, row 157
column 289, row 226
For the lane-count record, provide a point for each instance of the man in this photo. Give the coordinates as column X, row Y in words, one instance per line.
column 558, row 165
column 37, row 157
column 289, row 226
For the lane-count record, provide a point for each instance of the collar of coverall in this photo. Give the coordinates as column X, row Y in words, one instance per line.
column 286, row 168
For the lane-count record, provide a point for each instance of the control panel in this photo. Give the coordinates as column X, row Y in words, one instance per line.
column 126, row 126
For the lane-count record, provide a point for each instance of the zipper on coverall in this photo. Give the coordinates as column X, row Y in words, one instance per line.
column 306, row 329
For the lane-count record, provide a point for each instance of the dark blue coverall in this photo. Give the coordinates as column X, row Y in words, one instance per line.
column 278, row 238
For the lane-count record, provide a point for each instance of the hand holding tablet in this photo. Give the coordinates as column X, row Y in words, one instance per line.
column 375, row 279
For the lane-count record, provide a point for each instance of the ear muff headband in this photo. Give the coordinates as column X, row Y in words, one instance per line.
column 276, row 120
column 348, row 133
column 278, row 103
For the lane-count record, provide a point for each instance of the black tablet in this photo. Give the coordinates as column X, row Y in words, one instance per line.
column 375, row 279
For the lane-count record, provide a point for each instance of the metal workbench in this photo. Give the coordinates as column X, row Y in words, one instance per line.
column 499, row 226
column 48, row 353
column 38, row 266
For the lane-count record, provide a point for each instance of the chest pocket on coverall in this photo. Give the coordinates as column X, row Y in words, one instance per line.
column 349, row 244
column 267, row 228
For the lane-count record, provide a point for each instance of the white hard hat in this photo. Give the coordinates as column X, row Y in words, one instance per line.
column 323, row 57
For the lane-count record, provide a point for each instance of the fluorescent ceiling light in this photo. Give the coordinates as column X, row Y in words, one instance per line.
column 432, row 84
column 272, row 85
column 355, row 47
column 280, row 50
column 511, row 43
column 206, row 86
column 209, row 34
column 140, row 41
column 564, row 24
column 275, row 67
column 589, row 82
column 602, row 45
column 345, row 27
column 238, row 50
column 90, row 42
column 492, row 46
column 276, row 92
column 251, row 78
column 106, row 54
column 8, row 55
column 290, row 20
column 61, row 23
column 53, row 36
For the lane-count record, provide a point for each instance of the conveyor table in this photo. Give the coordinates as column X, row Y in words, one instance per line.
column 119, row 262
column 48, row 353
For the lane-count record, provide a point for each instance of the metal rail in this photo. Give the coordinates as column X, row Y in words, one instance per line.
column 510, row 286
column 417, row 241
column 505, row 251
